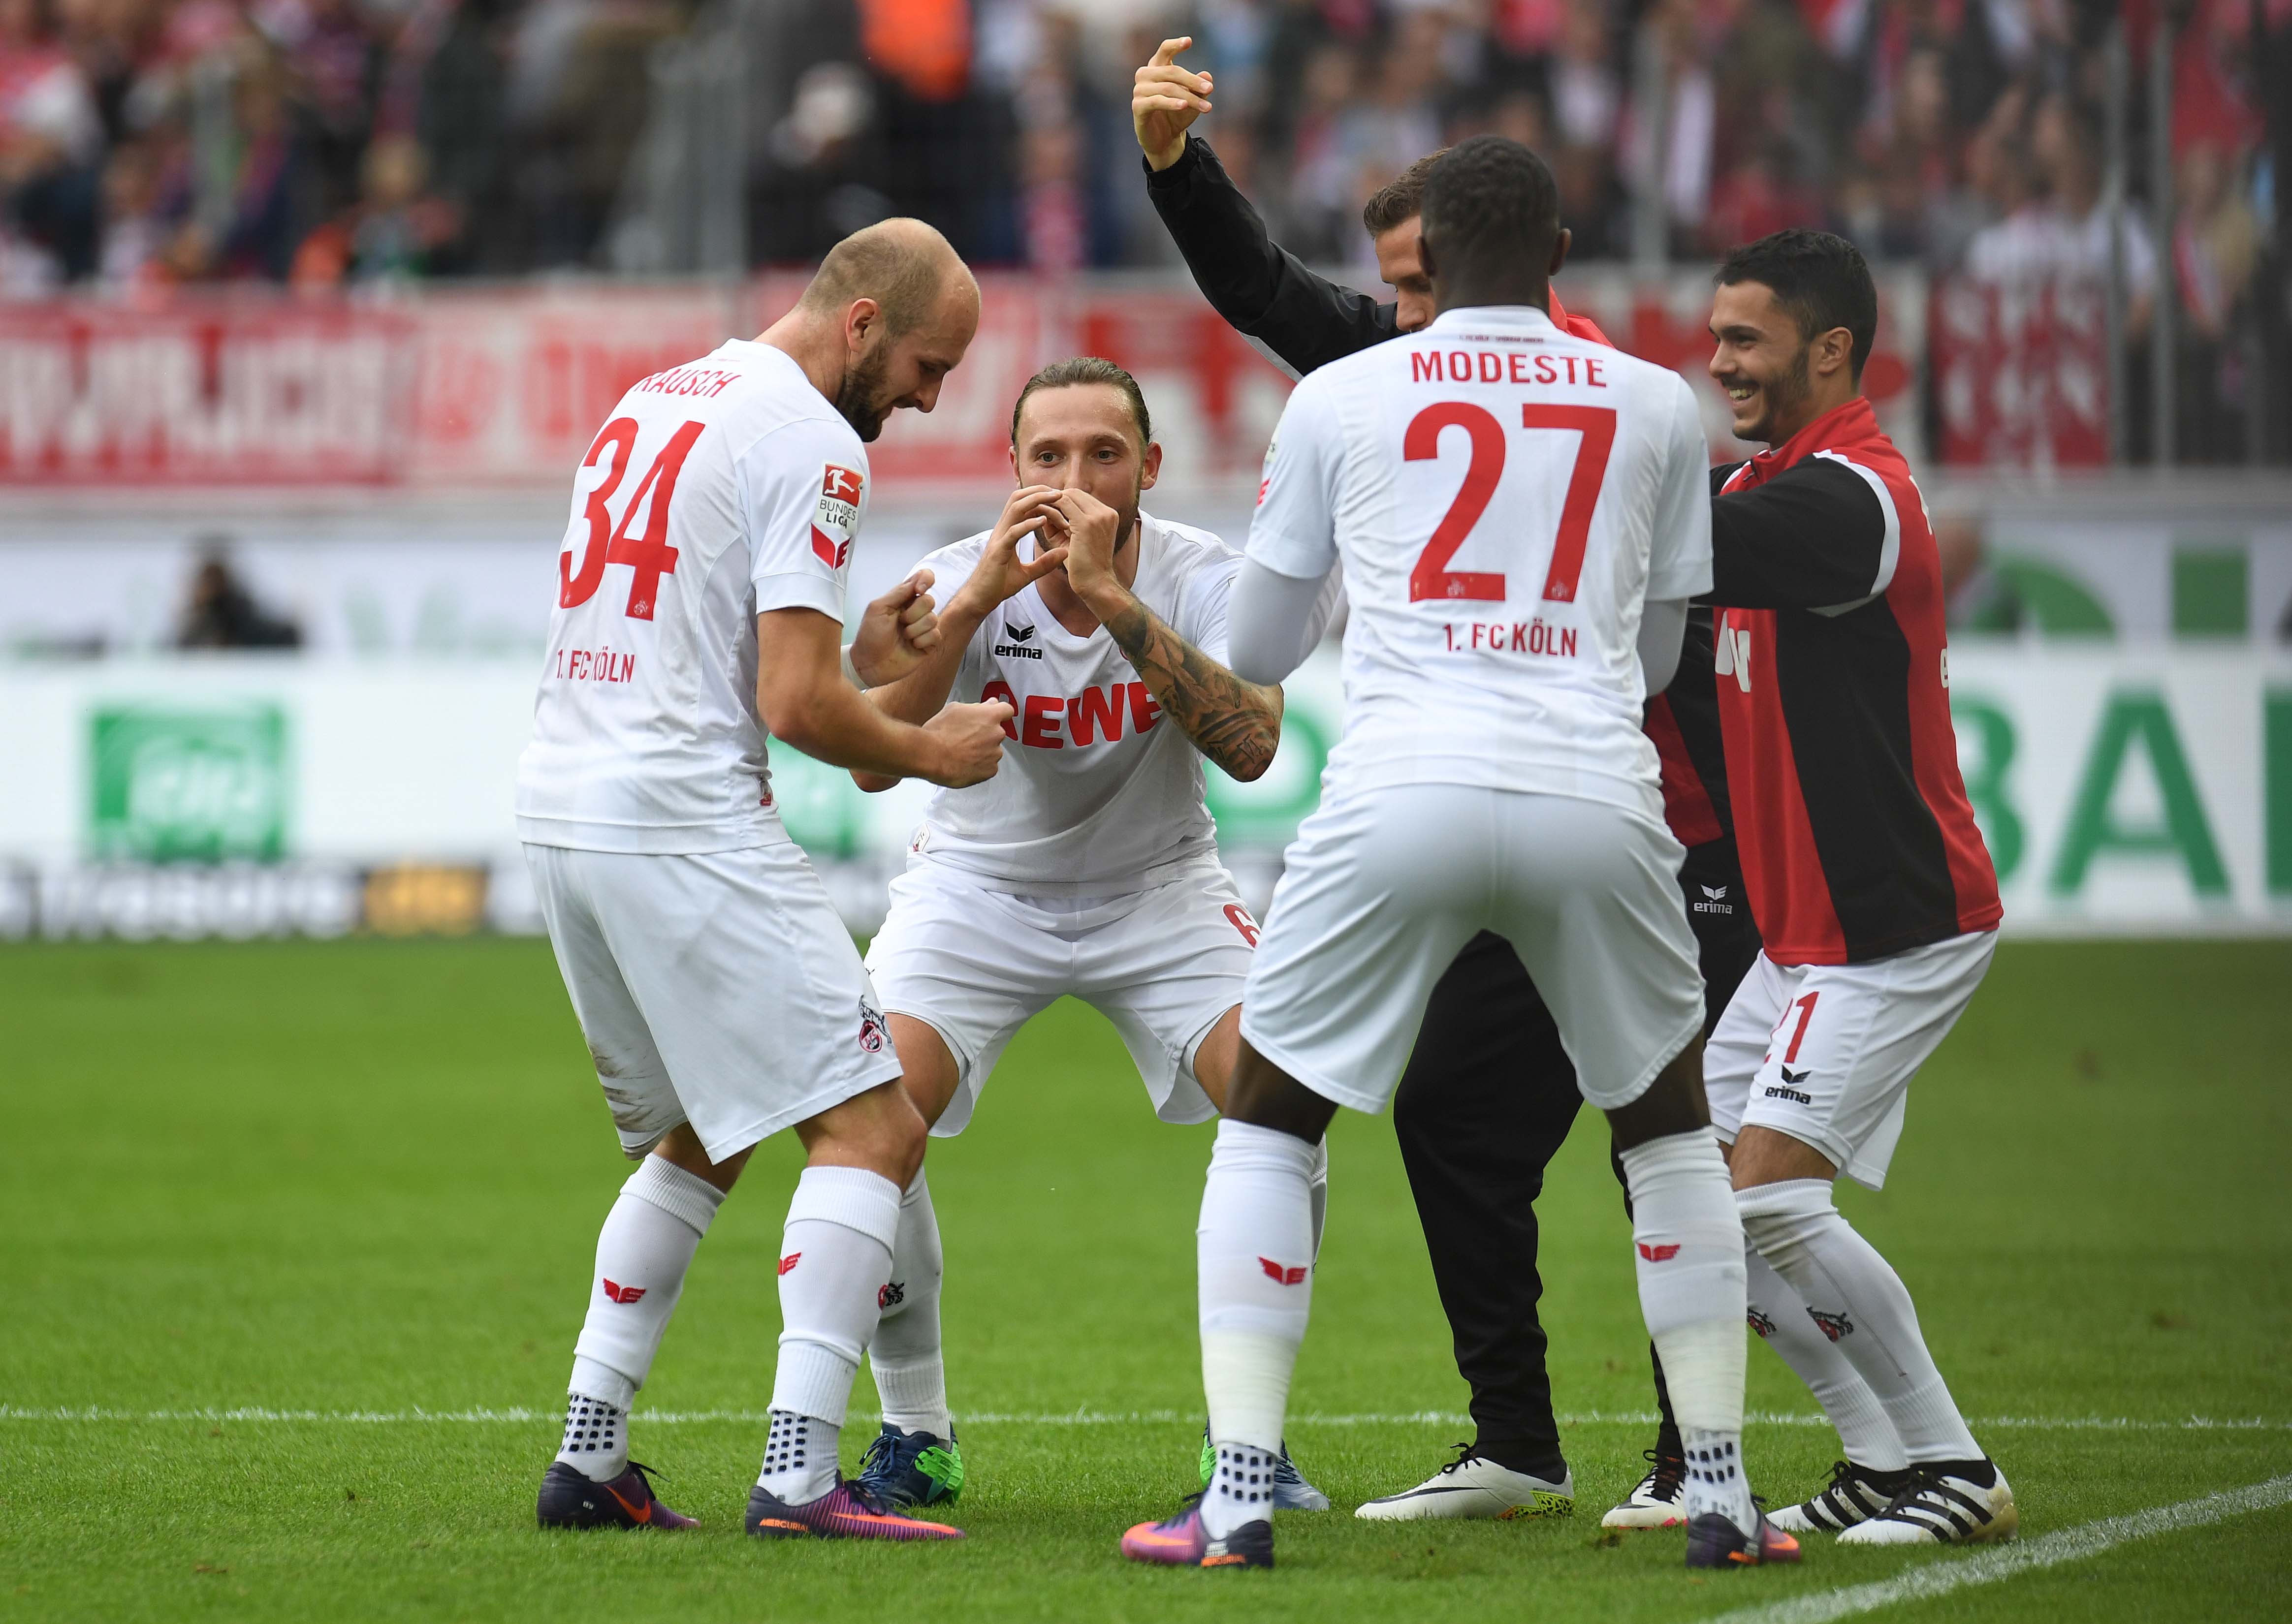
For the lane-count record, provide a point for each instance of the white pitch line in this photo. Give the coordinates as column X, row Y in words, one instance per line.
column 519, row 1415
column 2004, row 1561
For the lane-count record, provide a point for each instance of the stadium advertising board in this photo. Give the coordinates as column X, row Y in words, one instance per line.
column 2136, row 788
column 504, row 387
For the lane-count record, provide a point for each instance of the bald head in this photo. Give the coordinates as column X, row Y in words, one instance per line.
column 887, row 317
column 907, row 268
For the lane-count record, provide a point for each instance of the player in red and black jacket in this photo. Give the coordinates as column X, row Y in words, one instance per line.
column 1488, row 1094
column 1866, row 872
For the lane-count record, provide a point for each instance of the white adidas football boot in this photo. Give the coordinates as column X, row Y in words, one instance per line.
column 1854, row 1494
column 1943, row 1506
column 1474, row 1486
column 1660, row 1500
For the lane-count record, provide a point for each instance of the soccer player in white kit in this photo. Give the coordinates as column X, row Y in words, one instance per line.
column 700, row 603
column 1522, row 516
column 1088, row 866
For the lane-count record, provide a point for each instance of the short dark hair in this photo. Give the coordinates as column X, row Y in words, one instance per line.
column 1401, row 201
column 1087, row 369
column 1822, row 280
column 1489, row 199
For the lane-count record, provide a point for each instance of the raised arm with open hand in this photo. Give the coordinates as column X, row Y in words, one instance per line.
column 1236, row 724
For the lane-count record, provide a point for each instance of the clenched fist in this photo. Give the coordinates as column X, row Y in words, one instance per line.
column 970, row 742
column 896, row 631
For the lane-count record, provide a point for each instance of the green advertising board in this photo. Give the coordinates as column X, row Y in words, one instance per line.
column 170, row 784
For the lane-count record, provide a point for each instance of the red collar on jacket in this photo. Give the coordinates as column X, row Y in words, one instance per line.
column 1582, row 326
column 1839, row 429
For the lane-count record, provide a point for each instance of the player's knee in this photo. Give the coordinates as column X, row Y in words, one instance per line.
column 901, row 1142
column 1673, row 1103
column 1264, row 1096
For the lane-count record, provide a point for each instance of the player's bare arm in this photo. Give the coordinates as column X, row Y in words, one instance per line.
column 802, row 697
column 1236, row 724
column 1165, row 99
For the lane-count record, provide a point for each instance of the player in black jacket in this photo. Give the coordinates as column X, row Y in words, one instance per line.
column 1489, row 1095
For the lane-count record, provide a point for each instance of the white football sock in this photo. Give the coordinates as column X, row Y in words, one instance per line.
column 1254, row 1253
column 1861, row 1303
column 1318, row 1186
column 909, row 1364
column 1717, row 1480
column 1779, row 1314
column 1687, row 1244
column 642, row 1253
column 835, row 1258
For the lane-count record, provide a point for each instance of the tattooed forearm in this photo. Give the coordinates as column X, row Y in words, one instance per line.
column 1236, row 724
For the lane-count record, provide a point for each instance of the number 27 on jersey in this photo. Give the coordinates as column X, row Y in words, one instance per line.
column 1432, row 577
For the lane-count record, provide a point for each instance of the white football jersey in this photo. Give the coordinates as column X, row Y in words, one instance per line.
column 718, row 490
column 1097, row 793
column 1504, row 497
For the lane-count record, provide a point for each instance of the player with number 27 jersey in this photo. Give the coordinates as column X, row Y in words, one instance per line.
column 1505, row 496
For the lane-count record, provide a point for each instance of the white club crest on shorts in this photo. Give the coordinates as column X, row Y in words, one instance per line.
column 873, row 1032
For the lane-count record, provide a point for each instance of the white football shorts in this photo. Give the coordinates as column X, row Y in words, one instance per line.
column 720, row 989
column 1163, row 964
column 1824, row 1052
column 1381, row 888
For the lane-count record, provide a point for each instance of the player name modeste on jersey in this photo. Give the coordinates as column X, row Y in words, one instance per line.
column 1505, row 496
column 716, row 491
column 1096, row 792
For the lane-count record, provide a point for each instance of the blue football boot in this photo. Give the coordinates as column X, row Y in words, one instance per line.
column 907, row 1469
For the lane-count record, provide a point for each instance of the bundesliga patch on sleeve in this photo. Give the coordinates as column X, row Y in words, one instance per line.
column 1265, row 470
column 837, row 517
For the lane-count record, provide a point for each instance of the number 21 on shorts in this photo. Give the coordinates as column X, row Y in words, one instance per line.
column 649, row 558
column 1432, row 577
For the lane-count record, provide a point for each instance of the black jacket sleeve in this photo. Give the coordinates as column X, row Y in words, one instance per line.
column 1813, row 537
column 1260, row 288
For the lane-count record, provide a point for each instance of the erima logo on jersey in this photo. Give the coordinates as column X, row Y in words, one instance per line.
column 1017, row 643
column 1790, row 1089
column 837, row 516
column 1658, row 1254
column 790, row 1261
column 1293, row 1274
column 624, row 1294
column 1714, row 900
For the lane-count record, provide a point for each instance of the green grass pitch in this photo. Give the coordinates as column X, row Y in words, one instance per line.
column 366, row 1178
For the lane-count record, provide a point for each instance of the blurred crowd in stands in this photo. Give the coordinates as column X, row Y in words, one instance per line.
column 315, row 140
column 318, row 142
